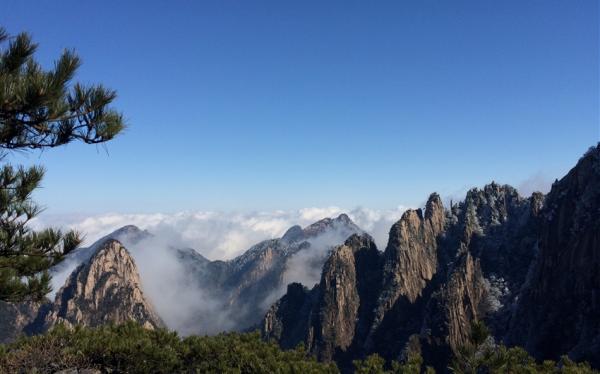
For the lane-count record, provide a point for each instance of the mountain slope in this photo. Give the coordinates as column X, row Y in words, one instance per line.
column 105, row 289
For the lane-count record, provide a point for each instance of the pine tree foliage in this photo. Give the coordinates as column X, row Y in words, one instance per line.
column 130, row 348
column 482, row 355
column 40, row 109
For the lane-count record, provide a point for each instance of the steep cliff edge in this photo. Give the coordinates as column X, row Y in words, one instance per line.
column 333, row 318
column 559, row 307
column 410, row 263
column 441, row 270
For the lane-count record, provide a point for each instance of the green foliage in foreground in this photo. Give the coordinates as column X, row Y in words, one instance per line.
column 40, row 109
column 130, row 348
column 482, row 355
column 375, row 364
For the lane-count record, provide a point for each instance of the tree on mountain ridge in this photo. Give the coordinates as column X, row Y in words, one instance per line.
column 40, row 109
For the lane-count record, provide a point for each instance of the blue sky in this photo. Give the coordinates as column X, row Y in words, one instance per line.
column 264, row 105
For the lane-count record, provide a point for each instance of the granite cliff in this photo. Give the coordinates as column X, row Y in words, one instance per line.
column 526, row 266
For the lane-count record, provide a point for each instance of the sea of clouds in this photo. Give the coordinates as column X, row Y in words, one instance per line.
column 220, row 235
column 177, row 297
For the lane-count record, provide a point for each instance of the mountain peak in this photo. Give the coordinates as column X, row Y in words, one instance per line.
column 341, row 222
column 293, row 234
column 129, row 234
column 344, row 219
column 107, row 288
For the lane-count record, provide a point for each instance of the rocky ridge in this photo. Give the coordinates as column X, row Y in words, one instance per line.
column 528, row 267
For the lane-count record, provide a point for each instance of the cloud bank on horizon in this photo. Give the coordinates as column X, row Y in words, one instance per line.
column 220, row 235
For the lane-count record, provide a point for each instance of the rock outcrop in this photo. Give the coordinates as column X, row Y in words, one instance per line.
column 333, row 318
column 105, row 289
column 441, row 270
column 410, row 263
column 348, row 294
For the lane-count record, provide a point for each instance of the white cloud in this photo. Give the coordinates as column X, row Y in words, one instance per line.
column 177, row 296
column 221, row 235
column 538, row 182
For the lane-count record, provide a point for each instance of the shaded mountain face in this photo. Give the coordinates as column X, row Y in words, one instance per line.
column 559, row 307
column 528, row 267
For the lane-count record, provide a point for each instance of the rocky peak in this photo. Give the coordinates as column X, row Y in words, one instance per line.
column 129, row 234
column 489, row 206
column 434, row 212
column 341, row 222
column 105, row 289
column 343, row 218
column 293, row 234
column 348, row 292
column 410, row 263
column 411, row 253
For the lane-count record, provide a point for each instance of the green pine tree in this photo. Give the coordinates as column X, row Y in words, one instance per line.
column 40, row 109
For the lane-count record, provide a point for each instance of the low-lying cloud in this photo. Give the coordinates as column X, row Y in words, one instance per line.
column 219, row 235
column 185, row 304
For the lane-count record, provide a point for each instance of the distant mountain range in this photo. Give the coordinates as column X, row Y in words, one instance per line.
column 102, row 282
column 527, row 266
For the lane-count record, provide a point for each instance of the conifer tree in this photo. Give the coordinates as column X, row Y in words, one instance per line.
column 40, row 109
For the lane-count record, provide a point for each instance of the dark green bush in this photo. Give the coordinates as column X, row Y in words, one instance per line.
column 130, row 348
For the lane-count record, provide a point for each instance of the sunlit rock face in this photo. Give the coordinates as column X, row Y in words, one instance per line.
column 106, row 289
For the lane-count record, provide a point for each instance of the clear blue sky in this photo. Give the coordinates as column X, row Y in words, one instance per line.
column 261, row 105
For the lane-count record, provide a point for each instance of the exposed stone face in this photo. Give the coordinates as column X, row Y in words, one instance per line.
column 452, row 308
column 528, row 267
column 559, row 308
column 333, row 318
column 441, row 270
column 411, row 255
column 348, row 283
column 410, row 263
column 105, row 289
